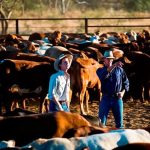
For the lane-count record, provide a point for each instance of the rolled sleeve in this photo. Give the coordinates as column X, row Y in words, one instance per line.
column 52, row 92
column 125, row 82
column 102, row 73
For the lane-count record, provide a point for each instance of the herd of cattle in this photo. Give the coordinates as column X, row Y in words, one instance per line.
column 25, row 69
column 66, row 131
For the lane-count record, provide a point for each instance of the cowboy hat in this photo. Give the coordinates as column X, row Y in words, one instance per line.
column 109, row 54
column 56, row 63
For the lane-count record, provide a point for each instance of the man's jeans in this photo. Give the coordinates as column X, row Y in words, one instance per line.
column 53, row 107
column 116, row 105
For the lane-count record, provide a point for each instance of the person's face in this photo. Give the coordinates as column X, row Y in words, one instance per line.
column 65, row 64
column 108, row 62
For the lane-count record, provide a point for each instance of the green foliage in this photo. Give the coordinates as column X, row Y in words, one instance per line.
column 31, row 5
column 137, row 5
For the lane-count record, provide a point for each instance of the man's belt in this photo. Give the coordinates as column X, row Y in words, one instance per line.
column 111, row 95
column 61, row 102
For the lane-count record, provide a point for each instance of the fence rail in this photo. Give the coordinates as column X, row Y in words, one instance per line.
column 85, row 23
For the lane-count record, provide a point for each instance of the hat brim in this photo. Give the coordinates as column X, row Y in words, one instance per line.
column 56, row 63
column 110, row 57
column 107, row 57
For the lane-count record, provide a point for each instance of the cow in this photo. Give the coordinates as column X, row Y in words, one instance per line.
column 21, row 79
column 56, row 39
column 55, row 51
column 137, row 146
column 112, row 139
column 18, row 112
column 36, row 36
column 83, row 76
column 121, row 139
column 25, row 129
column 25, row 56
column 138, row 75
column 115, row 139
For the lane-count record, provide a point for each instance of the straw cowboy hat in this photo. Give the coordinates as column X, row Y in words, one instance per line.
column 109, row 54
column 56, row 63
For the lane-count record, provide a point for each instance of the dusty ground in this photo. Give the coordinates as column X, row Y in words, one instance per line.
column 136, row 114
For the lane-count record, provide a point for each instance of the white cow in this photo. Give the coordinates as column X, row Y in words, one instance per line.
column 51, row 144
column 108, row 141
column 105, row 141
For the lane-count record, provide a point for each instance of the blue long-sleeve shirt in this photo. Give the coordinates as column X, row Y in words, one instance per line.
column 113, row 82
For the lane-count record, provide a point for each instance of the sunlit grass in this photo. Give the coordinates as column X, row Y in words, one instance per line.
column 76, row 26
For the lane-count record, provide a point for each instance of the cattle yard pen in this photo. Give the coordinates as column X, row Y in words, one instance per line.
column 26, row 26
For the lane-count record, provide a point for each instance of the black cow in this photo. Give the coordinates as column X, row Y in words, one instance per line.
column 20, row 80
column 139, row 75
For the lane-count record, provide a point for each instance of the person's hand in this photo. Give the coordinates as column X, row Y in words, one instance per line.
column 61, row 109
column 118, row 64
column 121, row 94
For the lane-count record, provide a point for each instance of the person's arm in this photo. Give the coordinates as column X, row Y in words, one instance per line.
column 121, row 94
column 68, row 104
column 125, row 82
column 125, row 86
column 68, row 91
column 102, row 73
column 57, row 103
column 117, row 64
column 52, row 92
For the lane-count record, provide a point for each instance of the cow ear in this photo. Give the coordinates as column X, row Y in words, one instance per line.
column 126, row 60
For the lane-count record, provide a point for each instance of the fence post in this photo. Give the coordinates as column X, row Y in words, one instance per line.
column 86, row 25
column 17, row 26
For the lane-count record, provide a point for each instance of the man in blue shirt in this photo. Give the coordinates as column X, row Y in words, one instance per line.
column 114, row 83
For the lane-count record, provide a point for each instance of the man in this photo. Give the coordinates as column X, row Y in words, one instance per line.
column 59, row 85
column 114, row 84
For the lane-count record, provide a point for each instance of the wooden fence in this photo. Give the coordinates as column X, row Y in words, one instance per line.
column 25, row 26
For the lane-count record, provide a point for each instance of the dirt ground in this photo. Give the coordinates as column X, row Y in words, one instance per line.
column 136, row 114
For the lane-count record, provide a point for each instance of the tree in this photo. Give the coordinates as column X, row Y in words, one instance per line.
column 6, row 8
column 138, row 5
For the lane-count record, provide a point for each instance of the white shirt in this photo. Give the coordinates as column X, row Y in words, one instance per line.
column 59, row 86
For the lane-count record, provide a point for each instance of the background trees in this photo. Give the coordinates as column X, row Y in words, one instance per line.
column 58, row 8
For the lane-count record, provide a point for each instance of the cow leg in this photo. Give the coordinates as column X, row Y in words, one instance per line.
column 142, row 94
column 1, row 108
column 87, row 100
column 46, row 105
column 23, row 103
column 147, row 91
column 14, row 105
column 8, row 105
column 82, row 94
column 42, row 103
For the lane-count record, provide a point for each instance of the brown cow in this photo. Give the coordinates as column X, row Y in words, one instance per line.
column 36, row 36
column 25, row 56
column 83, row 76
column 25, row 129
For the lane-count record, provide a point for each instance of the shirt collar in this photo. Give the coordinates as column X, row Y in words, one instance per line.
column 61, row 72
